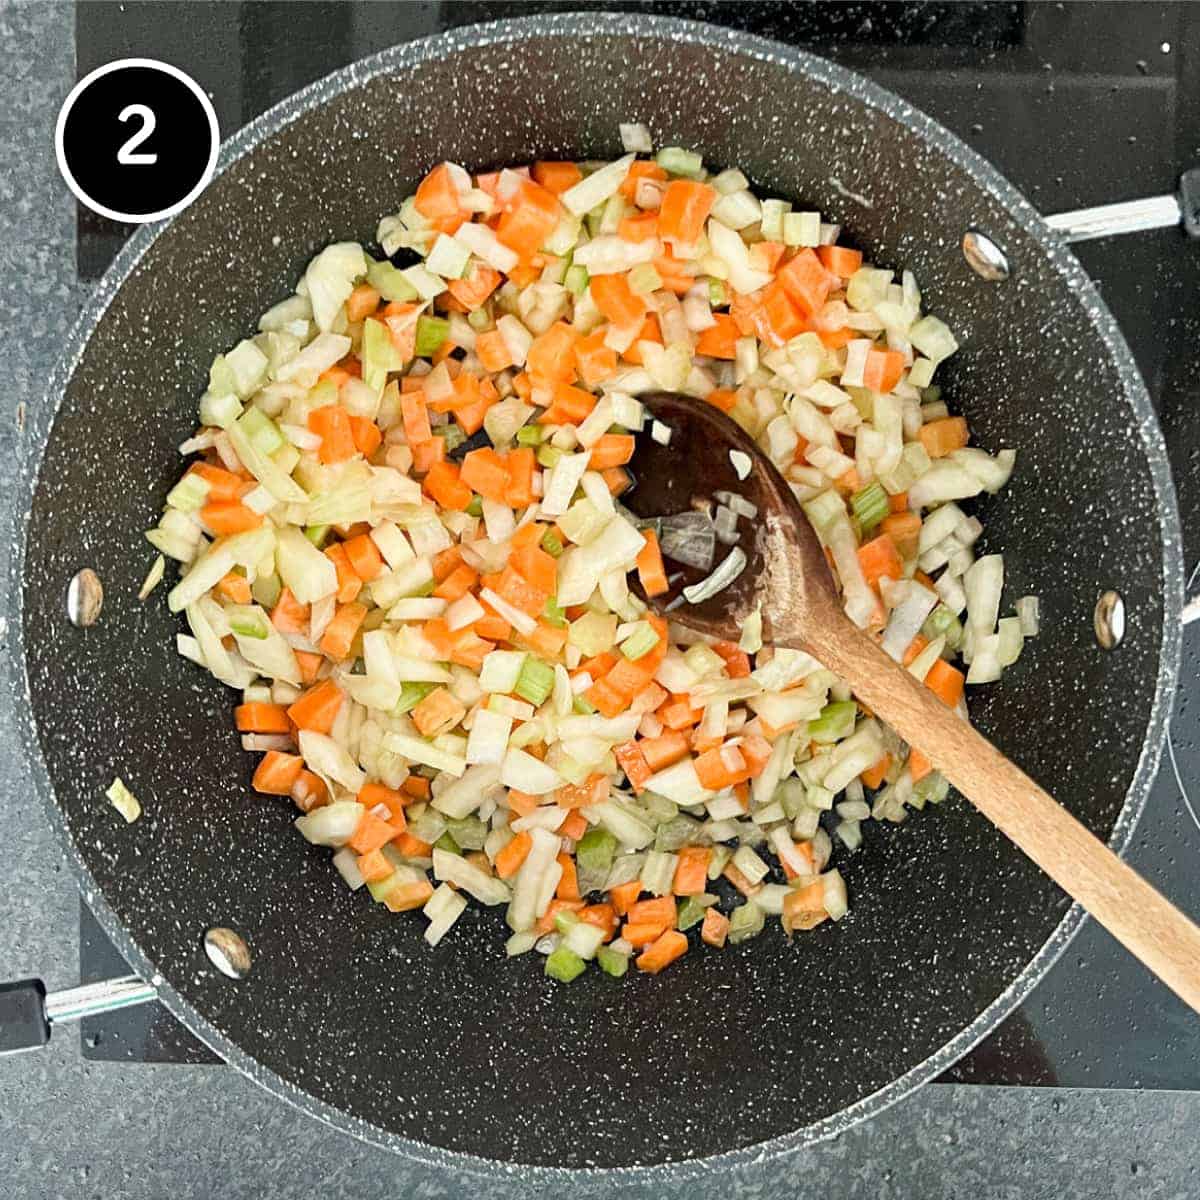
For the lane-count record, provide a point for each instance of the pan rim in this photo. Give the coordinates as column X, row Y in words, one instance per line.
column 653, row 27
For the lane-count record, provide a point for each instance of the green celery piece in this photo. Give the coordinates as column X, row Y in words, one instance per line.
column 453, row 436
column 317, row 534
column 690, row 913
column 390, row 283
column 576, row 279
column 468, row 832
column 531, row 435
column 564, row 965
column 411, row 694
column 261, row 430
column 583, row 707
column 551, row 543
column 553, row 615
column 612, row 962
column 870, row 505
column 746, row 921
column 596, row 850
column 446, row 842
column 548, row 455
column 475, row 508
column 716, row 293
column 639, row 643
column 431, row 333
column 835, row 722
column 536, row 680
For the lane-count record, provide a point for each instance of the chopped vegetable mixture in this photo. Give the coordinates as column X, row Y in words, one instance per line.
column 401, row 538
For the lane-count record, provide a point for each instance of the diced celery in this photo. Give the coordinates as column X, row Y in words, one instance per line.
column 380, row 887
column 548, row 455
column 551, row 543
column 835, row 722
column 640, row 642
column 870, row 505
column 189, row 494
column 454, row 437
column 612, row 962
column 720, row 859
column 390, row 283
column 692, row 909
column 582, row 706
column 676, row 832
column 595, row 850
column 411, row 694
column 446, row 842
column 644, row 279
column 943, row 623
column 536, row 681
column 564, row 965
column 746, row 921
column 553, row 615
column 531, row 435
column 261, row 430
column 431, row 333
column 265, row 589
column 678, row 161
column 469, row 833
column 475, row 508
column 716, row 293
column 317, row 534
column 576, row 280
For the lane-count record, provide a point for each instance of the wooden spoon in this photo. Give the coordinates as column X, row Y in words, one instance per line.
column 787, row 576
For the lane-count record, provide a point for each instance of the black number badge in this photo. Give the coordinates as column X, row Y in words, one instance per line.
column 137, row 140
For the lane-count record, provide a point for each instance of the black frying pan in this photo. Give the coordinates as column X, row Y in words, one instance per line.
column 458, row 1052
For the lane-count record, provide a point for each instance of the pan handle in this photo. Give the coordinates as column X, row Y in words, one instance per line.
column 1132, row 216
column 28, row 1012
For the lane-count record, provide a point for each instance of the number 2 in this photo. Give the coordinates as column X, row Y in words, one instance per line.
column 126, row 156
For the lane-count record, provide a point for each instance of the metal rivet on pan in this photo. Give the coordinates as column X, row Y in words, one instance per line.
column 984, row 257
column 1109, row 620
column 85, row 597
column 227, row 952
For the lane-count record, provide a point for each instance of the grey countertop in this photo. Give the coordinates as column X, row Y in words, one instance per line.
column 86, row 1129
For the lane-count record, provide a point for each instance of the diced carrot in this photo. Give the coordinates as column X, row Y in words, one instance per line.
column 640, row 228
column 571, row 405
column 530, row 534
column 898, row 502
column 691, row 872
column 624, row 896
column 508, row 861
column 835, row 339
column 649, row 332
column 737, row 661
column 804, row 908
column 411, row 846
column 457, row 584
column 494, row 628
column 575, row 826
column 483, row 471
column 426, row 455
column 372, row 832
column 309, row 791
column 616, row 300
column 918, row 765
column 556, row 177
column 520, row 592
column 756, row 751
column 289, row 615
column 904, row 528
column 366, row 435
column 599, row 665
column 605, row 698
column 594, row 360
column 224, row 517
column 523, row 274
column 444, row 483
column 942, row 436
column 568, row 883
column 404, row 897
column 438, row 199
column 914, row 648
column 872, row 777
column 361, row 302
column 678, row 713
column 627, row 678
column 662, row 751
column 416, row 786
column 685, row 207
column 722, row 398
column 551, row 356
column 546, row 922
column 638, row 170
column 633, row 762
column 522, row 466
column 364, row 557
column 715, row 927
column 340, row 633
column 317, row 708
column 880, row 558
column 438, row 712
column 721, row 768
column 534, row 214
column 719, row 340
column 618, row 480
column 670, row 946
column 945, row 682
column 277, row 772
column 536, row 567
column 374, row 866
column 492, row 351
column 603, row 916
column 522, row 803
column 740, row 881
column 806, row 281
column 841, row 260
column 222, row 484
column 778, row 317
column 262, row 718
column 371, row 795
column 235, row 588
column 475, row 287
column 674, row 272
column 883, row 370
column 331, row 424
column 349, row 584
column 639, row 934
column 611, row 450
column 415, row 417
column 769, row 254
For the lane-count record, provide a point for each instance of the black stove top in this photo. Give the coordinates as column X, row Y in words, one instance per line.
column 1079, row 104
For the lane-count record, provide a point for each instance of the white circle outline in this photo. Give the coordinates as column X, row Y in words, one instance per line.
column 60, row 128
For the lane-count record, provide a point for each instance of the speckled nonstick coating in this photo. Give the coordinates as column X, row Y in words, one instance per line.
column 457, row 1056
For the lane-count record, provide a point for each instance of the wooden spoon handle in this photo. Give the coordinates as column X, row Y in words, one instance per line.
column 1137, row 915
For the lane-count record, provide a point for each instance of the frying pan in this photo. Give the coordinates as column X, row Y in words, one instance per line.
column 455, row 1055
